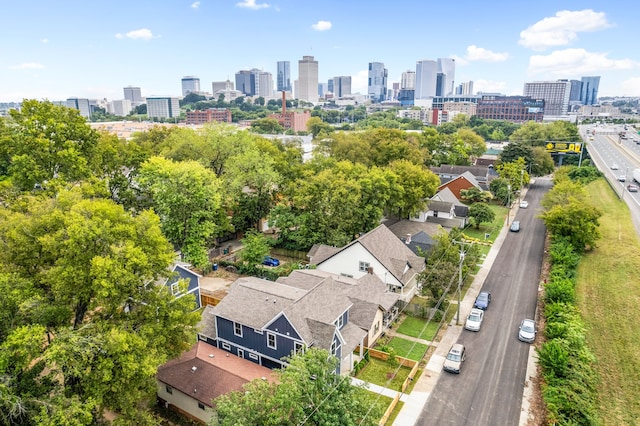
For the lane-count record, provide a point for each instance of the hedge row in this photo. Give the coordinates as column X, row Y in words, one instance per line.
column 569, row 381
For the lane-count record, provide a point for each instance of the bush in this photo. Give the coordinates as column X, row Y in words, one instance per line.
column 560, row 290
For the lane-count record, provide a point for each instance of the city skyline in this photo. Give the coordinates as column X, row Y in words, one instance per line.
column 60, row 51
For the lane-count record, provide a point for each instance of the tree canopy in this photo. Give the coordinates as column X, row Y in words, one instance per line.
column 307, row 392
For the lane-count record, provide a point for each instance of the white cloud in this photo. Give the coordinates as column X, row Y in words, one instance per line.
column 321, row 26
column 28, row 66
column 195, row 5
column 631, row 86
column 141, row 34
column 44, row 40
column 575, row 62
column 251, row 4
column 562, row 29
column 475, row 53
column 359, row 82
column 489, row 86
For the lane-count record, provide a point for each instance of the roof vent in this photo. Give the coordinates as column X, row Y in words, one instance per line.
column 210, row 355
column 408, row 240
column 193, row 369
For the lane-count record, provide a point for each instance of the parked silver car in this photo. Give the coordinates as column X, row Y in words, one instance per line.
column 527, row 332
column 474, row 320
column 455, row 358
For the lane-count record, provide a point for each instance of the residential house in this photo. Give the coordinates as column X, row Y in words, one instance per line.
column 418, row 236
column 265, row 321
column 445, row 209
column 377, row 252
column 482, row 175
column 374, row 307
column 182, row 274
column 190, row 383
column 464, row 181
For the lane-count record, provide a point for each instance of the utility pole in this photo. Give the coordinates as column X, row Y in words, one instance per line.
column 508, row 204
column 462, row 243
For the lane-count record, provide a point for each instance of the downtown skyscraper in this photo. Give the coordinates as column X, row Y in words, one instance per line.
column 307, row 79
column 284, row 76
column 377, row 82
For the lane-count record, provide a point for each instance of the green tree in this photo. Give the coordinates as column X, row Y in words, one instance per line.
column 315, row 126
column 515, row 173
column 515, row 150
column 91, row 326
column 416, row 184
column 481, row 212
column 256, row 247
column 575, row 221
column 267, row 126
column 187, row 197
column 475, row 195
column 308, row 392
column 45, row 142
column 541, row 162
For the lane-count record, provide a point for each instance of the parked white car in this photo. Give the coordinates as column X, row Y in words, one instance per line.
column 474, row 320
column 524, row 204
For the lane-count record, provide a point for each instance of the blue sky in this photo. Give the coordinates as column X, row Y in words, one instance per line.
column 68, row 48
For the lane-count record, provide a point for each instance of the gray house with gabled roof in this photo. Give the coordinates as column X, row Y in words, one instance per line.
column 378, row 252
column 265, row 321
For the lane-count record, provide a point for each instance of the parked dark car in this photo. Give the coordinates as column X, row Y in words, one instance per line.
column 270, row 261
column 483, row 300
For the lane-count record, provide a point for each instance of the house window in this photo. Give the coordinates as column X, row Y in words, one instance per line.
column 346, row 275
column 376, row 327
column 364, row 266
column 435, row 213
column 175, row 289
column 298, row 348
column 237, row 329
column 271, row 340
column 253, row 356
column 334, row 348
column 169, row 389
column 226, row 346
column 201, row 405
column 339, row 322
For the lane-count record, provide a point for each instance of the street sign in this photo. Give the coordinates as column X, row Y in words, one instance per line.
column 571, row 148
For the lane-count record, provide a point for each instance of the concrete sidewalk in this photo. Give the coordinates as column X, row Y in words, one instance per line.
column 378, row 389
column 416, row 401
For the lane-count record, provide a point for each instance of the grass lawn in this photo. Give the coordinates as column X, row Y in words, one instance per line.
column 381, row 401
column 407, row 348
column 493, row 228
column 382, row 373
column 394, row 413
column 418, row 327
column 609, row 300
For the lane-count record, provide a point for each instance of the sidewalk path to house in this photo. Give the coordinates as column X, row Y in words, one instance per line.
column 425, row 384
column 378, row 389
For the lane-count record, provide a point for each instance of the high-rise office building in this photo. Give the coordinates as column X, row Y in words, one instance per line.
column 426, row 78
column 308, row 79
column 445, row 79
column 134, row 95
column 408, row 80
column 465, row 88
column 377, row 82
column 120, row 107
column 284, row 76
column 243, row 82
column 163, row 107
column 554, row 93
column 220, row 85
column 81, row 104
column 190, row 84
column 330, row 85
column 322, row 89
column 341, row 86
column 589, row 94
column 264, row 84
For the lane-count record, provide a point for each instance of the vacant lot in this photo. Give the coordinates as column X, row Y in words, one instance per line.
column 609, row 299
column 418, row 327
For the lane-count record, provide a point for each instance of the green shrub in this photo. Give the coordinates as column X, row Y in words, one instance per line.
column 554, row 359
column 560, row 290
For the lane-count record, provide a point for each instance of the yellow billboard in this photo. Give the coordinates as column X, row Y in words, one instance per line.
column 571, row 147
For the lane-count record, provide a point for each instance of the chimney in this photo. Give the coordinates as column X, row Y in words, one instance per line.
column 370, row 270
column 408, row 240
column 284, row 103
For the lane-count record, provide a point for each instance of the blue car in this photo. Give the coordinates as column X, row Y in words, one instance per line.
column 270, row 261
column 483, row 300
